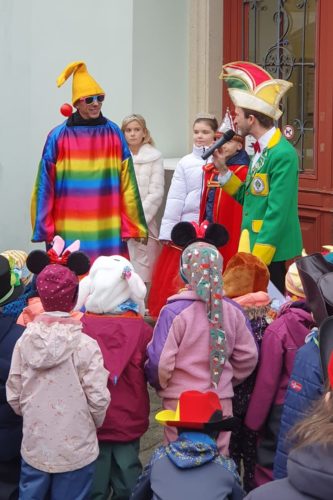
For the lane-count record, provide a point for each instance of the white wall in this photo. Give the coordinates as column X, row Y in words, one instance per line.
column 136, row 50
column 160, row 71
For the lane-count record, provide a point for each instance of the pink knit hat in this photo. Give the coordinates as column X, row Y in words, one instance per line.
column 57, row 272
column 58, row 288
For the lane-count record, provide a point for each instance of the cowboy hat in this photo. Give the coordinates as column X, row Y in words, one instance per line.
column 197, row 410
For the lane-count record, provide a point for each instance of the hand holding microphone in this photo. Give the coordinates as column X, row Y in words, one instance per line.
column 217, row 144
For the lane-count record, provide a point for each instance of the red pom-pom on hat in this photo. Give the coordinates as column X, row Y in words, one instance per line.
column 66, row 110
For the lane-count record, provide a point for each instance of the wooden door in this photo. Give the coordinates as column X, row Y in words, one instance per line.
column 290, row 38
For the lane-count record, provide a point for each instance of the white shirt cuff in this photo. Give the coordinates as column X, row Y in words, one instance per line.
column 223, row 179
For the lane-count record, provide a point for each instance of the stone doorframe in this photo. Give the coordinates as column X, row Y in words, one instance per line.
column 205, row 58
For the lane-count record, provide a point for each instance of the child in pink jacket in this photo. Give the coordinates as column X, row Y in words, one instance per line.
column 57, row 382
column 200, row 342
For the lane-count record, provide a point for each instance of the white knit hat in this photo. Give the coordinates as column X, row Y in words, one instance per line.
column 110, row 282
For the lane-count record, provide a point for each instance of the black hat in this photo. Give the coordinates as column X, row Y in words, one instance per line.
column 8, row 292
column 316, row 275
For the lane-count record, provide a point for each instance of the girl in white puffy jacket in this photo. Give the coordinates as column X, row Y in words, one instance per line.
column 183, row 204
column 149, row 171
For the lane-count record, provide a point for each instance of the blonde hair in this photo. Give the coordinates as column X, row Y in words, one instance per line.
column 317, row 427
column 142, row 122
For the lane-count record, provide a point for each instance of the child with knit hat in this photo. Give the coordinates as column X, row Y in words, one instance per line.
column 200, row 341
column 57, row 383
column 33, row 305
column 191, row 467
column 11, row 291
column 113, row 296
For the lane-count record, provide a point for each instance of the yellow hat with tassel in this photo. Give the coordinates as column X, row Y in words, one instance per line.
column 83, row 83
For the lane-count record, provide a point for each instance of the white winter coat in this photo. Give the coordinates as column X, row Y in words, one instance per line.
column 183, row 202
column 149, row 171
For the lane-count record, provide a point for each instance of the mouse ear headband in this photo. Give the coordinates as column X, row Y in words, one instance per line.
column 76, row 261
column 185, row 233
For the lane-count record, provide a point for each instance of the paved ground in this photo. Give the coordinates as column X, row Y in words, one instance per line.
column 154, row 435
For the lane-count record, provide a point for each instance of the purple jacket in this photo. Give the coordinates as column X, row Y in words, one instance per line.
column 123, row 340
column 282, row 338
column 178, row 355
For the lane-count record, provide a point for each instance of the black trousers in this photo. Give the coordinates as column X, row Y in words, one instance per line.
column 277, row 271
column 10, row 478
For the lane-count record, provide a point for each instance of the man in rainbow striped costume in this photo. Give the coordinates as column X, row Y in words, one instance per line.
column 86, row 187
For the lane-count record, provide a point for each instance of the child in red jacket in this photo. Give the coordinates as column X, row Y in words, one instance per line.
column 218, row 206
column 113, row 295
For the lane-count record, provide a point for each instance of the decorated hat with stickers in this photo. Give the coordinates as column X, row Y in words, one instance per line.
column 251, row 87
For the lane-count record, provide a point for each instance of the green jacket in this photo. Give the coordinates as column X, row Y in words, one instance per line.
column 269, row 197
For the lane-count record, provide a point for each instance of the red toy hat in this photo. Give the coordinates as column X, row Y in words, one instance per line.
column 196, row 410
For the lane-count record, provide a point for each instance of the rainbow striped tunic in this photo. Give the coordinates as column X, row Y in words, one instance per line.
column 86, row 189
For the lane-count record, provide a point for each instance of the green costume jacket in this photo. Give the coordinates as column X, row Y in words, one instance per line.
column 269, row 197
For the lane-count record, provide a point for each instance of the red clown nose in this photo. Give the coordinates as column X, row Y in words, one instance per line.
column 66, row 109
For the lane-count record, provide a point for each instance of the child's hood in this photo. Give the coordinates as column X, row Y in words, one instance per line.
column 120, row 338
column 195, row 449
column 111, row 282
column 298, row 322
column 48, row 342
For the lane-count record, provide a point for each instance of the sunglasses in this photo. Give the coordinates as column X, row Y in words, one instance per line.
column 93, row 98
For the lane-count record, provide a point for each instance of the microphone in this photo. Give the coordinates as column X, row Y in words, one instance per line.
column 217, row 144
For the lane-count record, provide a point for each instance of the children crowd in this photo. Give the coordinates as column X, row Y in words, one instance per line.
column 244, row 372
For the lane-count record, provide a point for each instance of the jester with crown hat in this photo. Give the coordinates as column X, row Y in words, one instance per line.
column 86, row 187
column 215, row 204
column 269, row 193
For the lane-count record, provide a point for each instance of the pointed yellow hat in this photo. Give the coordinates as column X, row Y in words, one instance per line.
column 251, row 87
column 83, row 83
